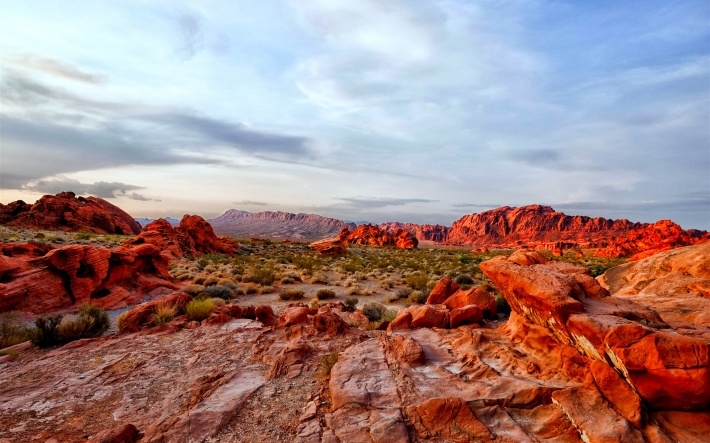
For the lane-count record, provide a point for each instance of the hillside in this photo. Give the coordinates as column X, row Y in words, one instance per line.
column 277, row 225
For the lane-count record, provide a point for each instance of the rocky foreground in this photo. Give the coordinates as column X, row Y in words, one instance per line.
column 627, row 360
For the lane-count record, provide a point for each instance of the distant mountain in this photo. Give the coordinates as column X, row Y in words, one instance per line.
column 435, row 233
column 144, row 220
column 278, row 224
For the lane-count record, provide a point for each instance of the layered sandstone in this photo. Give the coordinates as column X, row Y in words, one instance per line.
column 374, row 236
column 194, row 236
column 66, row 212
column 72, row 275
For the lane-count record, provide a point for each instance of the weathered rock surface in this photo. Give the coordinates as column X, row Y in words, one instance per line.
column 76, row 274
column 434, row 233
column 277, row 224
column 374, row 236
column 541, row 227
column 66, row 212
column 194, row 236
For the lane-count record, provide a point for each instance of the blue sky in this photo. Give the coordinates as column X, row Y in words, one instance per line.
column 411, row 110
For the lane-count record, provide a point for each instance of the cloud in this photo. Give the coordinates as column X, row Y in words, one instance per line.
column 101, row 189
column 475, row 206
column 191, row 33
column 55, row 67
column 140, row 197
column 362, row 203
column 249, row 203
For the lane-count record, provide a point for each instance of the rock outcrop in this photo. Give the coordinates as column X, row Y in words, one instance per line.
column 66, row 212
column 652, row 239
column 329, row 246
column 278, row 224
column 541, row 227
column 67, row 277
column 193, row 237
column 426, row 232
column 373, row 236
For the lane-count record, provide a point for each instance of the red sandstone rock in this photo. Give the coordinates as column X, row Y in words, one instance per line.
column 541, row 227
column 329, row 246
column 403, row 320
column 66, row 212
column 329, row 322
column 474, row 296
column 293, row 316
column 443, row 290
column 448, row 418
column 649, row 240
column 141, row 316
column 77, row 274
column 120, row 434
column 265, row 314
column 374, row 236
column 194, row 236
column 465, row 315
column 430, row 316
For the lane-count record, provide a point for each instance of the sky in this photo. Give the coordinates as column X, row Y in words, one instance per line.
column 397, row 110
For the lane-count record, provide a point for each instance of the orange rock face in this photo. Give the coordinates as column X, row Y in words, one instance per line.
column 435, row 233
column 541, row 227
column 77, row 274
column 650, row 240
column 668, row 368
column 374, row 236
column 66, row 212
column 329, row 246
column 194, row 236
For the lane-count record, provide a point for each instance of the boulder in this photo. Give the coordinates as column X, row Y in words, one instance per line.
column 465, row 315
column 295, row 315
column 430, row 316
column 443, row 289
column 329, row 246
column 474, row 296
column 374, row 236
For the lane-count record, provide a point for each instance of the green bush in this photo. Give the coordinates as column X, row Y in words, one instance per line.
column 389, row 315
column 199, row 310
column 47, row 334
column 164, row 313
column 263, row 276
column 90, row 321
column 291, row 294
column 417, row 297
column 417, row 281
column 373, row 311
column 463, row 279
column 211, row 281
column 222, row 292
column 327, row 362
column 193, row 289
column 323, row 294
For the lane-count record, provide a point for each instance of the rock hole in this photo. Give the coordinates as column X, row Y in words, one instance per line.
column 84, row 270
column 100, row 293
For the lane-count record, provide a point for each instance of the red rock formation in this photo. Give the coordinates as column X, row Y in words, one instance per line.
column 329, row 246
column 374, row 236
column 194, row 236
column 668, row 370
column 72, row 275
column 434, row 233
column 66, row 212
column 650, row 240
column 541, row 227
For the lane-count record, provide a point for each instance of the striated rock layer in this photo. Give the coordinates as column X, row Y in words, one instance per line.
column 277, row 224
column 66, row 212
column 541, row 227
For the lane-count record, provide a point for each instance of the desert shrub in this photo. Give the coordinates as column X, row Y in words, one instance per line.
column 84, row 235
column 387, row 283
column 389, row 314
column 199, row 280
column 90, row 321
column 327, row 362
column 267, row 290
column 392, row 298
column 201, row 263
column 204, row 295
column 319, row 279
column 251, row 290
column 291, row 294
column 287, row 281
column 323, row 294
column 12, row 331
column 350, row 304
column 39, row 235
column 502, row 305
column 199, row 309
column 355, row 290
column 418, row 297
column 313, row 304
column 217, row 302
column 164, row 313
column 262, row 275
column 211, row 281
column 404, row 293
column 193, row 289
column 47, row 334
column 463, row 279
column 417, row 281
column 222, row 292
column 373, row 311
column 121, row 320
